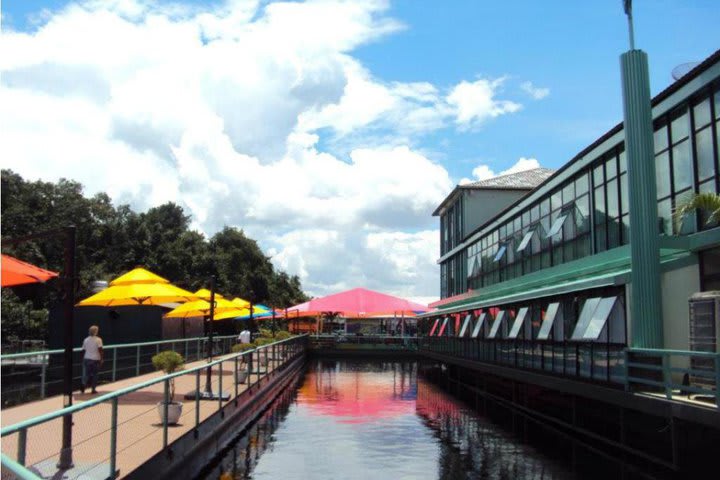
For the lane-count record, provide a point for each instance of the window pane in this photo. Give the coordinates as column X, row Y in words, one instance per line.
column 623, row 162
column 556, row 200
column 568, row 193
column 701, row 113
column 660, row 137
column 548, row 321
column 557, row 225
column 613, row 207
column 582, row 213
column 600, row 240
column 544, row 207
column 598, row 176
column 613, row 233
column 599, row 205
column 662, row 174
column 665, row 216
column 581, row 185
column 611, row 167
column 704, row 145
column 682, row 166
column 626, row 229
column 707, row 187
column 624, row 198
column 679, row 128
column 717, row 104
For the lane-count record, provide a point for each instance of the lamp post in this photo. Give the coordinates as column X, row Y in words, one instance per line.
column 645, row 302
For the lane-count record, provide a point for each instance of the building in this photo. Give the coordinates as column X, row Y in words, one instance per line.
column 548, row 263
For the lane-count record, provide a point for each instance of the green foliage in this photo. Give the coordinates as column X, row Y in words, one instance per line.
column 112, row 240
column 263, row 341
column 241, row 347
column 169, row 362
column 707, row 202
column 20, row 320
column 265, row 333
column 283, row 335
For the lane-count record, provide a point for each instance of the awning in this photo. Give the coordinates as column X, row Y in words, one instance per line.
column 600, row 270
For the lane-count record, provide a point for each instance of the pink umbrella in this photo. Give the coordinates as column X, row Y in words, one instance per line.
column 359, row 302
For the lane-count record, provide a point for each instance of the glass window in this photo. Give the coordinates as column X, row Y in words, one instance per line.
column 544, row 208
column 680, row 127
column 624, row 198
column 665, row 217
column 613, row 233
column 556, row 200
column 466, row 324
column 479, row 325
column 582, row 213
column 526, row 240
column 682, row 166
column 662, row 174
column 599, row 205
column 517, row 224
column 717, row 104
column 518, row 323
column 496, row 325
column 599, row 319
column 701, row 113
column 613, row 207
column 660, row 138
column 568, row 193
column 623, row 162
column 500, row 253
column 550, row 315
column 600, row 238
column 705, row 160
column 611, row 167
column 581, row 185
column 586, row 315
column 557, row 225
column 626, row 229
column 526, row 218
column 598, row 176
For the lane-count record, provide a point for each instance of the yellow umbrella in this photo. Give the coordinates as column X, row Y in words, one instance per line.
column 138, row 275
column 240, row 302
column 138, row 294
column 201, row 307
column 204, row 294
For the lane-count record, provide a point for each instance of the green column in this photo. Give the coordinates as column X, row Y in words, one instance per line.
column 645, row 303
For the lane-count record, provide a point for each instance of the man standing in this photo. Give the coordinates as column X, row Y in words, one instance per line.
column 92, row 359
column 244, row 336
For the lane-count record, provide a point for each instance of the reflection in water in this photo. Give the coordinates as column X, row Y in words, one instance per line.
column 357, row 420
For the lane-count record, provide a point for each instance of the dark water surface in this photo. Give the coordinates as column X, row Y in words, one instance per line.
column 377, row 420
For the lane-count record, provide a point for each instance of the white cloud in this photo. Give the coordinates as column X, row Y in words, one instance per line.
column 484, row 172
column 537, row 93
column 228, row 111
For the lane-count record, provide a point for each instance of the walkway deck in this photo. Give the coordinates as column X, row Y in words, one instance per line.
column 140, row 433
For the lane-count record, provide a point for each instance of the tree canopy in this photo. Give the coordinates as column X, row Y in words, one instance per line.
column 112, row 240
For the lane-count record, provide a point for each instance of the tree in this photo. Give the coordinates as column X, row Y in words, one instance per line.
column 707, row 202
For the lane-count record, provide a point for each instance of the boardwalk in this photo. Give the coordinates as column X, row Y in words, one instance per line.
column 140, row 433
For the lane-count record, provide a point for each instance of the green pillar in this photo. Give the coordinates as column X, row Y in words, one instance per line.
column 646, row 302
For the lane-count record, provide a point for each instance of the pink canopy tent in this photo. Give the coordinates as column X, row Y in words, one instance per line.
column 359, row 303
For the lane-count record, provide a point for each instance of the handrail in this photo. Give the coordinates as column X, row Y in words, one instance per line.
column 17, row 469
column 11, row 356
column 662, row 352
column 10, row 429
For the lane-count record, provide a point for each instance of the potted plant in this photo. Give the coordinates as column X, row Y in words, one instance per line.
column 261, row 355
column 169, row 362
column 242, row 372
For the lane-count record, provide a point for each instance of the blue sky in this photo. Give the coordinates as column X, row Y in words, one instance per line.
column 327, row 129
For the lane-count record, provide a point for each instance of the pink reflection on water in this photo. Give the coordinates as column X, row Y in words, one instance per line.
column 354, row 397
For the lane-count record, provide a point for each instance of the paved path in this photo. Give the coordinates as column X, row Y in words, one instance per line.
column 140, row 433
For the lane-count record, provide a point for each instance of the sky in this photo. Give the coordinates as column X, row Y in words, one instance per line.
column 328, row 130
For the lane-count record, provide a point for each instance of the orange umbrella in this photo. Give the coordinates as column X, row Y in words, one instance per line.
column 17, row 272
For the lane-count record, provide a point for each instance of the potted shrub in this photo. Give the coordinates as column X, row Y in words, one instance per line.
column 262, row 356
column 169, row 362
column 242, row 371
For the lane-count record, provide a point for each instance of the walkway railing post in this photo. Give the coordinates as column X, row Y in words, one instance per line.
column 235, row 374
column 166, row 406
column 22, row 446
column 113, row 437
column 717, row 380
column 137, row 361
column 43, row 373
column 197, row 401
column 197, row 350
column 220, row 375
column 667, row 379
column 626, row 369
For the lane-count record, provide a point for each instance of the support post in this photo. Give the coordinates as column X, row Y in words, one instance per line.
column 114, row 367
column 166, row 405
column 22, row 446
column 66, row 461
column 113, row 437
column 645, row 303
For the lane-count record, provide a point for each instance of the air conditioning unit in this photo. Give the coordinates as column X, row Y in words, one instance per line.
column 704, row 328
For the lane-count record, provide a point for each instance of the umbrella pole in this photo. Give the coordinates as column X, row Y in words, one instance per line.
column 208, row 376
column 66, row 461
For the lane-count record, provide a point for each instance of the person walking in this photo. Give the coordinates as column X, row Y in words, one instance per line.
column 244, row 336
column 92, row 359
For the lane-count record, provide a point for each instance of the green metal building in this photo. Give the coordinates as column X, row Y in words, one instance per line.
column 550, row 262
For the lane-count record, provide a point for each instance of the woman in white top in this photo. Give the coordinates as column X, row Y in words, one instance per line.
column 92, row 359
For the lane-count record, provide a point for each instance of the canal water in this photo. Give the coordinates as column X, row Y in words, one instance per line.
column 380, row 420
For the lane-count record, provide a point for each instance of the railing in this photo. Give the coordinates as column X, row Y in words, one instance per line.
column 111, row 431
column 35, row 375
column 350, row 341
column 603, row 362
column 656, row 368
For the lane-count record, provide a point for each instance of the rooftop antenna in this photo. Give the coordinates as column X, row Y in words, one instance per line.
column 627, row 5
column 683, row 69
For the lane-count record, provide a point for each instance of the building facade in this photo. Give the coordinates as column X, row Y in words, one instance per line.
column 553, row 263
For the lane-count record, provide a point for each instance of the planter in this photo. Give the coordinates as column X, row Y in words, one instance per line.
column 242, row 376
column 174, row 412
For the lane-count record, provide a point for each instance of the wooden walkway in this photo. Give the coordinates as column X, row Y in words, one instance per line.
column 139, row 434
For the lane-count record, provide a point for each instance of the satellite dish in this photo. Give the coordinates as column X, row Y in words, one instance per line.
column 683, row 69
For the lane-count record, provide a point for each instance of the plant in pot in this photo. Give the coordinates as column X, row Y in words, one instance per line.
column 169, row 362
column 261, row 355
column 242, row 372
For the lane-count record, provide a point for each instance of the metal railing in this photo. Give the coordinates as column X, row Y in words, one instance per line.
column 377, row 341
column 602, row 362
column 31, row 376
column 659, row 369
column 107, row 426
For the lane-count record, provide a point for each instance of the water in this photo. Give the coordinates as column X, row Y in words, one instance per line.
column 369, row 419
